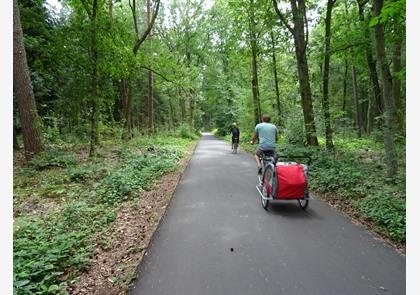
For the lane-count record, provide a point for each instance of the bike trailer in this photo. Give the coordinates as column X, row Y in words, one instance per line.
column 291, row 180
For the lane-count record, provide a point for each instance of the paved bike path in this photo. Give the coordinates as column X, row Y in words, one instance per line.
column 216, row 239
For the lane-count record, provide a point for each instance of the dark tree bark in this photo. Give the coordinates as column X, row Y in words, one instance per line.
column 390, row 114
column 396, row 68
column 126, row 97
column 300, row 35
column 15, row 141
column 150, row 107
column 93, row 52
column 181, row 105
column 346, row 68
column 326, row 73
column 276, row 80
column 356, row 102
column 129, row 111
column 378, row 105
column 254, row 54
column 23, row 91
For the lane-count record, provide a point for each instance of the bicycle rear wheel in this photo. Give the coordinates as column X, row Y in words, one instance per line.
column 267, row 186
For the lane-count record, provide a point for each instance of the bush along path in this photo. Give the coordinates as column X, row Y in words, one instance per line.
column 352, row 180
column 81, row 227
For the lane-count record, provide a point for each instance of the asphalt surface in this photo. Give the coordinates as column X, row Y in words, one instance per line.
column 217, row 239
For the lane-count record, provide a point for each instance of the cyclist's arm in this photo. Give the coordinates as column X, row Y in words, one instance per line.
column 254, row 138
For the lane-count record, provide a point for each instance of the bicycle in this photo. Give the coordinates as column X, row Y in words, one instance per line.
column 235, row 145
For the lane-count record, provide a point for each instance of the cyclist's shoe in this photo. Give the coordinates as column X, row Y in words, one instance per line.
column 259, row 171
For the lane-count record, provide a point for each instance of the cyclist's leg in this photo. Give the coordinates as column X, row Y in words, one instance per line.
column 258, row 155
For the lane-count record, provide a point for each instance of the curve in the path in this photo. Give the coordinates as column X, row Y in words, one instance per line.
column 217, row 239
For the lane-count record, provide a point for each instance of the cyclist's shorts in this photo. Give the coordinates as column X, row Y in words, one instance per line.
column 269, row 152
column 235, row 139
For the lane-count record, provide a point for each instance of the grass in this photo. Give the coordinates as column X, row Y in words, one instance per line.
column 64, row 201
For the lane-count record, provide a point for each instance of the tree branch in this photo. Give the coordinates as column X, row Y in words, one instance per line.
column 282, row 18
column 149, row 28
column 89, row 13
column 133, row 12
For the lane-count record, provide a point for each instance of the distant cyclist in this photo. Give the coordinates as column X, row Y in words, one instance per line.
column 267, row 138
column 235, row 134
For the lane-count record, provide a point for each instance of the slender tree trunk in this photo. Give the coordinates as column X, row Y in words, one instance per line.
column 129, row 114
column 171, row 115
column 254, row 53
column 94, row 136
column 346, row 68
column 326, row 72
column 396, row 68
column 181, row 105
column 191, row 116
column 23, row 90
column 276, row 80
column 150, row 107
column 390, row 114
column 378, row 109
column 356, row 102
column 111, row 10
column 15, row 141
column 299, row 16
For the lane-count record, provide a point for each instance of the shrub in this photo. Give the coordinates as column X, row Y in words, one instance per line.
column 387, row 210
column 53, row 158
column 45, row 247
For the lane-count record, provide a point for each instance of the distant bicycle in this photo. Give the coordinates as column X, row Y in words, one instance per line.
column 235, row 145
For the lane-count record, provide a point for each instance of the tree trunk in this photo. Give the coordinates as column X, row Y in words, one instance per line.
column 396, row 68
column 15, row 141
column 356, row 102
column 23, row 91
column 276, row 80
column 181, row 106
column 326, row 72
column 94, row 136
column 346, row 68
column 390, row 114
column 150, row 108
column 378, row 106
column 129, row 111
column 299, row 14
column 191, row 117
column 254, row 53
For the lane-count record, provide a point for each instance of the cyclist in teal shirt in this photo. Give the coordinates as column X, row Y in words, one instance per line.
column 267, row 138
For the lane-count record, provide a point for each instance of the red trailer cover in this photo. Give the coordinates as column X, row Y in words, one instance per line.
column 290, row 182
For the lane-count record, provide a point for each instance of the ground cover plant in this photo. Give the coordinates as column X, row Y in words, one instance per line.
column 62, row 206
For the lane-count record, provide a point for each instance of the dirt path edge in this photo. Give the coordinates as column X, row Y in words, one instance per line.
column 120, row 250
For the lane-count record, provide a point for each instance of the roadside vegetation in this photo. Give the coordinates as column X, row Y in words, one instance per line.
column 64, row 203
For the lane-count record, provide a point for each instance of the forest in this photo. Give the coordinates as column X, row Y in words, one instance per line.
column 110, row 95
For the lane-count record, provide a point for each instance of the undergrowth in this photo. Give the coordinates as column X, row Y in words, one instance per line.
column 62, row 204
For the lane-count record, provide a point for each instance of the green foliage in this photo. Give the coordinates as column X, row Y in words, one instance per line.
column 53, row 243
column 45, row 247
column 137, row 173
column 294, row 131
column 185, row 132
column 387, row 210
column 354, row 174
column 54, row 157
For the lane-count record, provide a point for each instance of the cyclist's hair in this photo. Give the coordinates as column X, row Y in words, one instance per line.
column 266, row 118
